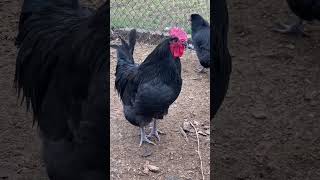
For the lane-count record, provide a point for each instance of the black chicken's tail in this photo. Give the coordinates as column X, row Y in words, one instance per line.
column 222, row 65
column 125, row 50
column 126, row 66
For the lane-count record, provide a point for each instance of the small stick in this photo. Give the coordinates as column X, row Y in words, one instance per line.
column 184, row 134
column 198, row 150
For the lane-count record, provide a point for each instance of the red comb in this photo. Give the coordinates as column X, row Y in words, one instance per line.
column 179, row 33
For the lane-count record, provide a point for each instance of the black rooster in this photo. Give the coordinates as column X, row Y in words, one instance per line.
column 222, row 65
column 61, row 70
column 201, row 39
column 307, row 10
column 147, row 90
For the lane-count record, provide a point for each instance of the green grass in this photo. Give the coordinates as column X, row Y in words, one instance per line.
column 155, row 15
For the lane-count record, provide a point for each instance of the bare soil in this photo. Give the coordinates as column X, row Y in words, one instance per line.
column 268, row 127
column 175, row 157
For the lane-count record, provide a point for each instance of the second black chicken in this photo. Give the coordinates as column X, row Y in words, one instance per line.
column 201, row 39
column 147, row 90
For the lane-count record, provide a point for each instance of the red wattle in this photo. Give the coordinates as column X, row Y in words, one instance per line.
column 177, row 49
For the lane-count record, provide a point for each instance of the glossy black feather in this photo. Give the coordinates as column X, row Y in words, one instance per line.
column 61, row 70
column 201, row 39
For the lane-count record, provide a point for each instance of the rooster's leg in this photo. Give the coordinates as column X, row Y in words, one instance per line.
column 154, row 131
column 295, row 28
column 144, row 137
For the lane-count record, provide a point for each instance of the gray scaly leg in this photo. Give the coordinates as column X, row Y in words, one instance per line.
column 154, row 130
column 144, row 138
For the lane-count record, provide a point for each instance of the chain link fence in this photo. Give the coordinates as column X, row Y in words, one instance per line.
column 153, row 18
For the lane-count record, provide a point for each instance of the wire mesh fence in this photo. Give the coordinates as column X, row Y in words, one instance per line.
column 153, row 18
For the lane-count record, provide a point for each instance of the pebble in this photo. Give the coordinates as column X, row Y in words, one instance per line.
column 259, row 115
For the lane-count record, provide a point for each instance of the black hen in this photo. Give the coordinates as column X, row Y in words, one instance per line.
column 61, row 70
column 147, row 90
column 201, row 39
column 307, row 10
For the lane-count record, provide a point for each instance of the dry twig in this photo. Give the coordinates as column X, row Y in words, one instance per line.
column 198, row 150
column 184, row 134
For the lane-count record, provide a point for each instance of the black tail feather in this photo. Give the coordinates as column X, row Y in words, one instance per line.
column 125, row 64
column 132, row 40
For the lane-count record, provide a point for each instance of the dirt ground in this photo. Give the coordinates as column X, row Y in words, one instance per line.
column 176, row 158
column 268, row 127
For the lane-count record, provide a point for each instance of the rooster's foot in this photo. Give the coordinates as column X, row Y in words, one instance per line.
column 144, row 138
